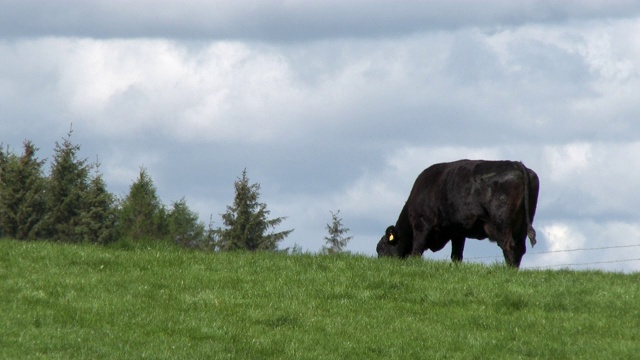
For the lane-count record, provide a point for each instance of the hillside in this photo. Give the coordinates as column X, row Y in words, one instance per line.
column 83, row 301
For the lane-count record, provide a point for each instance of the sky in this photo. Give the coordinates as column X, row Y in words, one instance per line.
column 339, row 105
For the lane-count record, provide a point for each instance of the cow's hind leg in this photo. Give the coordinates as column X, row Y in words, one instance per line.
column 457, row 248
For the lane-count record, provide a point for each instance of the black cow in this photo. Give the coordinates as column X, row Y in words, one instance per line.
column 466, row 199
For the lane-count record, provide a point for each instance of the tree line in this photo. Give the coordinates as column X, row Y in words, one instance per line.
column 72, row 204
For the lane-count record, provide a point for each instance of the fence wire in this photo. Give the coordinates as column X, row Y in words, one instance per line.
column 570, row 250
column 582, row 264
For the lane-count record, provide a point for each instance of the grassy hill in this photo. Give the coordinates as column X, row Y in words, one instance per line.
column 83, row 301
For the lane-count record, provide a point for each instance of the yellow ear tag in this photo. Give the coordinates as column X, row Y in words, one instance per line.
column 390, row 237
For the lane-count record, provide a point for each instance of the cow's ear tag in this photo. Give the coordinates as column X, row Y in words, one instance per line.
column 390, row 237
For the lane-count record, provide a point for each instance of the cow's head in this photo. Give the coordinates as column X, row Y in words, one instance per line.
column 388, row 244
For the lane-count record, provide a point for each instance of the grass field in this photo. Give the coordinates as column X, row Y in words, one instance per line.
column 83, row 301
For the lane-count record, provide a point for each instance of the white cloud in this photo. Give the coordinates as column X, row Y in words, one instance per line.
column 128, row 87
column 607, row 245
column 567, row 161
column 592, row 179
column 519, row 80
column 561, row 236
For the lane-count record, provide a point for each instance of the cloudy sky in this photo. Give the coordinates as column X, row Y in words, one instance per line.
column 339, row 105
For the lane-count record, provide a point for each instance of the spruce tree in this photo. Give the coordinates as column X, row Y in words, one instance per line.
column 9, row 199
column 22, row 194
column 141, row 214
column 68, row 182
column 246, row 222
column 4, row 158
column 184, row 227
column 98, row 220
column 336, row 242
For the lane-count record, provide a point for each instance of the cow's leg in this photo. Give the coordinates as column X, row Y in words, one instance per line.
column 518, row 249
column 509, row 256
column 420, row 235
column 419, row 243
column 513, row 250
column 504, row 237
column 457, row 248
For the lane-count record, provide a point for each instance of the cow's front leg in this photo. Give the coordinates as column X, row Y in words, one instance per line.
column 457, row 248
column 420, row 235
column 512, row 250
column 419, row 246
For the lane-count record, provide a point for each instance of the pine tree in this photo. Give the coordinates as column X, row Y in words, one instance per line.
column 141, row 214
column 336, row 242
column 68, row 182
column 246, row 222
column 98, row 220
column 22, row 194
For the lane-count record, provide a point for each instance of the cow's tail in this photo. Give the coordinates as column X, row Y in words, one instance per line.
column 531, row 232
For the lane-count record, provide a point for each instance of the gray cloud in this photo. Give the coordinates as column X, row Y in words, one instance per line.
column 285, row 20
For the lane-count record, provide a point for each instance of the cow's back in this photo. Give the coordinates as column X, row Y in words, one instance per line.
column 460, row 193
column 445, row 182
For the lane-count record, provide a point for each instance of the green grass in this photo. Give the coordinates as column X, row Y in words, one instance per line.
column 83, row 301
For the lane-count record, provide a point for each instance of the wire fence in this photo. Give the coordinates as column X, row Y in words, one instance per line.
column 570, row 250
column 582, row 264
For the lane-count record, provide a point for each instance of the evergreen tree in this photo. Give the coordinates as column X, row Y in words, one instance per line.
column 22, row 191
column 68, row 183
column 98, row 220
column 184, row 226
column 9, row 202
column 141, row 214
column 4, row 158
column 246, row 222
column 336, row 242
